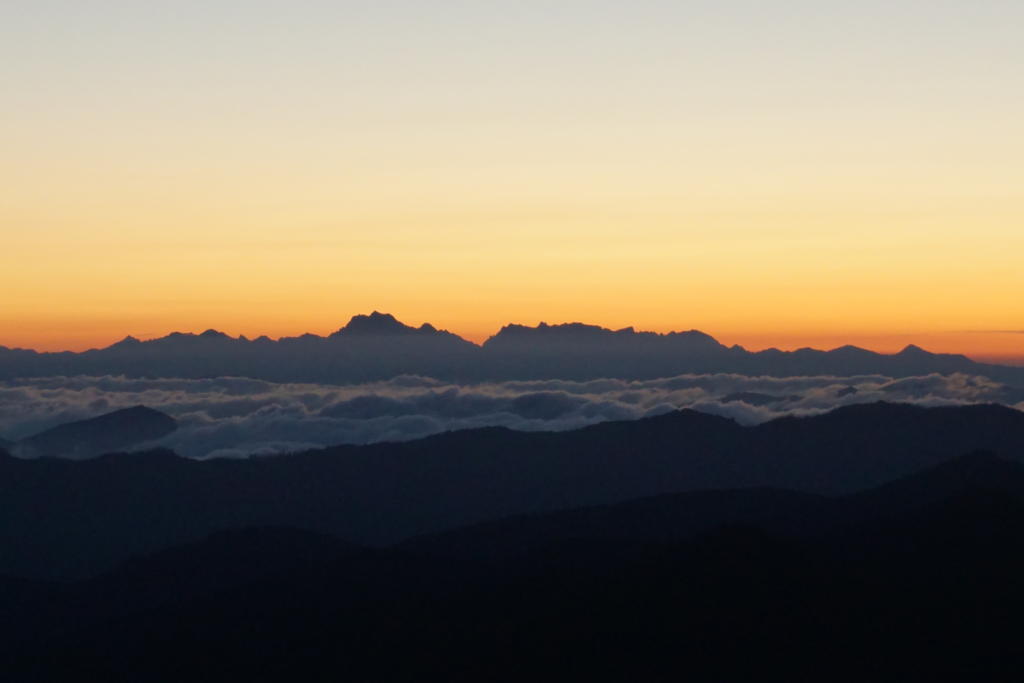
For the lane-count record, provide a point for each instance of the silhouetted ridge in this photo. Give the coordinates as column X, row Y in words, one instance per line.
column 208, row 341
column 658, row 519
column 851, row 353
column 975, row 486
column 912, row 350
column 104, row 434
column 737, row 585
column 583, row 333
column 103, row 510
column 374, row 324
column 214, row 334
column 126, row 343
column 981, row 470
column 378, row 346
column 696, row 337
column 563, row 330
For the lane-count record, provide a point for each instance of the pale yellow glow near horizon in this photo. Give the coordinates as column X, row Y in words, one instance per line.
column 781, row 282
column 782, row 175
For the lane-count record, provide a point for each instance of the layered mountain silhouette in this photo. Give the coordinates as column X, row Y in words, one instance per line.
column 99, row 512
column 676, row 517
column 377, row 346
column 916, row 579
column 108, row 433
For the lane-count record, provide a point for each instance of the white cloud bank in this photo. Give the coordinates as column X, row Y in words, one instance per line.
column 234, row 417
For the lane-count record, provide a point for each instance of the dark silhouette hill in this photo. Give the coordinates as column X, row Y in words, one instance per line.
column 106, row 433
column 980, row 471
column 377, row 346
column 225, row 560
column 99, row 512
column 661, row 519
column 673, row 518
column 915, row 580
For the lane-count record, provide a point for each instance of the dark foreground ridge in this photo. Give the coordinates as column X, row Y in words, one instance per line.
column 71, row 519
column 914, row 580
column 377, row 347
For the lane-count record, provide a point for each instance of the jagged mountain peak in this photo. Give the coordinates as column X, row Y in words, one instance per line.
column 547, row 328
column 173, row 339
column 913, row 350
column 126, row 343
column 376, row 323
column 214, row 334
column 851, row 350
column 572, row 350
column 578, row 331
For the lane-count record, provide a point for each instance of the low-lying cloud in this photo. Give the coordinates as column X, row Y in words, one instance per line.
column 237, row 417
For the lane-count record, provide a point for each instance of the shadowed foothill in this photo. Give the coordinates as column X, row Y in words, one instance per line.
column 916, row 577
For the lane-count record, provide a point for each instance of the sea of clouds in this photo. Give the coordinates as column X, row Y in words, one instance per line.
column 236, row 417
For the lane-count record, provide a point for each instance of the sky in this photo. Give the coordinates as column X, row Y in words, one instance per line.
column 776, row 174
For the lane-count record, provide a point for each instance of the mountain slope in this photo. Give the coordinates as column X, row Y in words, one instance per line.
column 106, row 433
column 672, row 518
column 101, row 511
column 925, row 589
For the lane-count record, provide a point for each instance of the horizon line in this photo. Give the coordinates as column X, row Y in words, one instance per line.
column 479, row 341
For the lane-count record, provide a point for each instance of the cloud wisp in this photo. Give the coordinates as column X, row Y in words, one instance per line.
column 237, row 417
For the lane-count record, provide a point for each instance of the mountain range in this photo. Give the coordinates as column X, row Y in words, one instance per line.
column 377, row 346
column 917, row 579
column 67, row 519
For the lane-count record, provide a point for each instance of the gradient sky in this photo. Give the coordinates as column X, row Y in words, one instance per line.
column 783, row 173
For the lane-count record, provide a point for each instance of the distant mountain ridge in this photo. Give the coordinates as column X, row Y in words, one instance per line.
column 378, row 346
column 89, row 438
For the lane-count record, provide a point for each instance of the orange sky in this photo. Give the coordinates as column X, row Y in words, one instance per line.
column 758, row 273
column 849, row 174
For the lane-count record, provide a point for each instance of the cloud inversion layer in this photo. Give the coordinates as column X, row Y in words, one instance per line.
column 234, row 417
